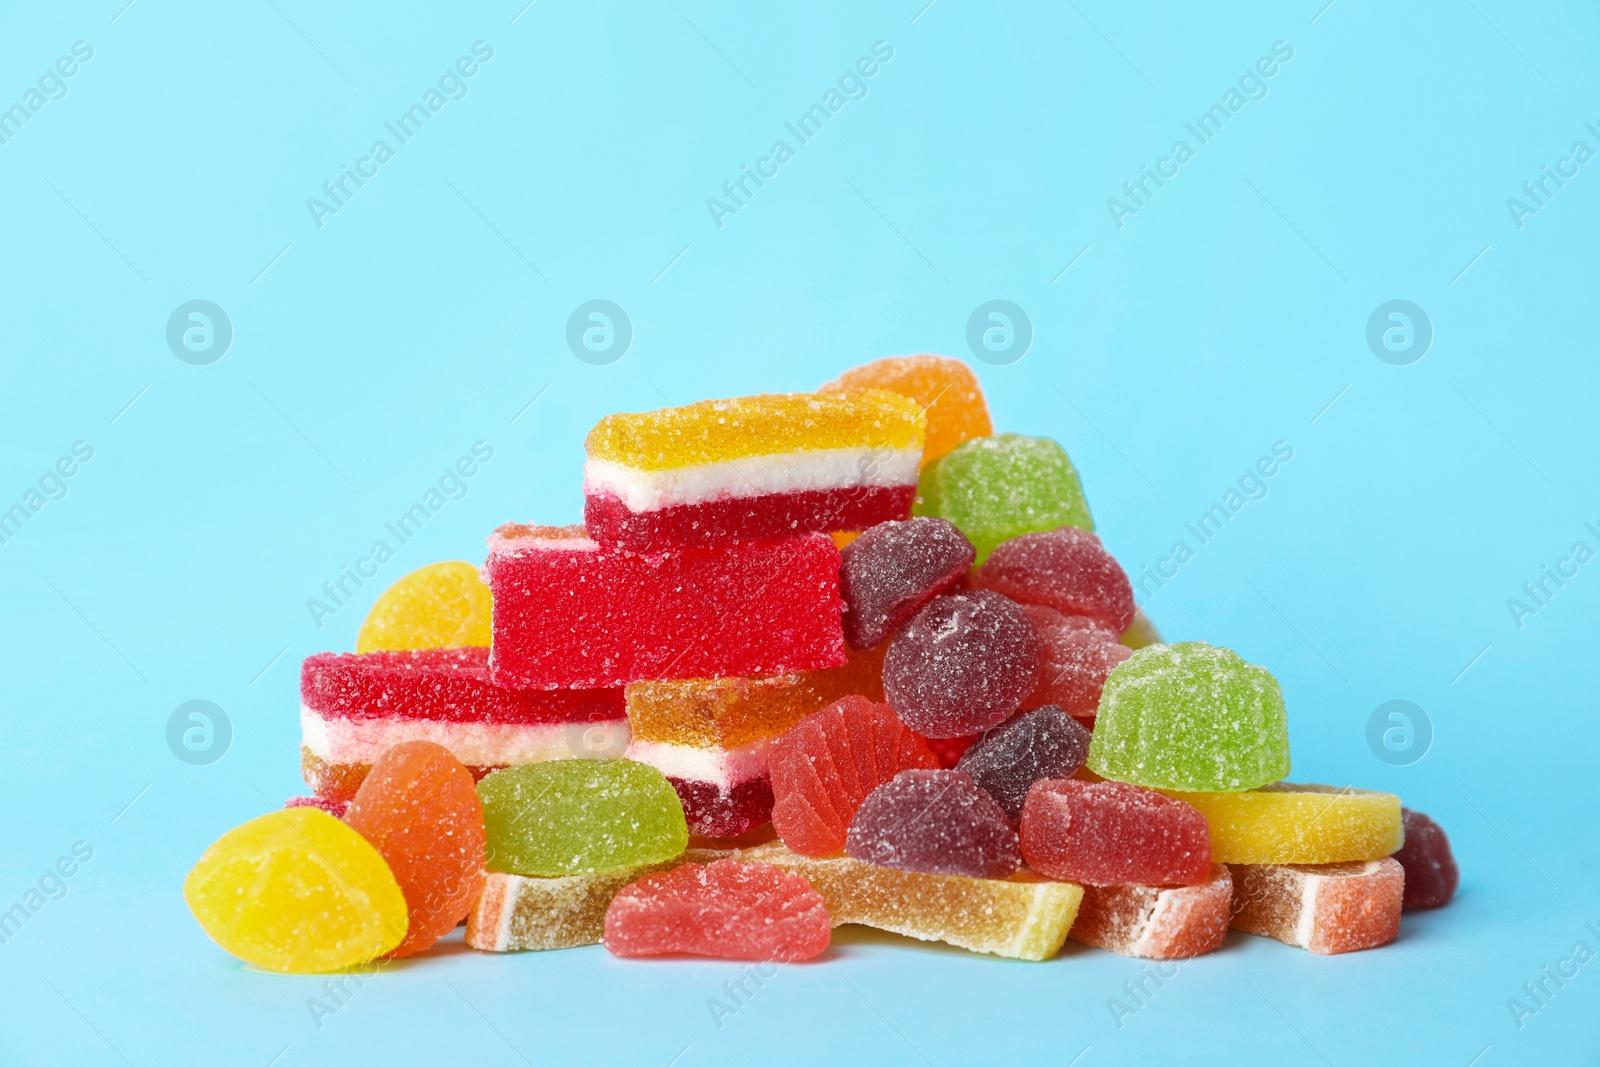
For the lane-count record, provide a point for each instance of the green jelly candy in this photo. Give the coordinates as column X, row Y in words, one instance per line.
column 1193, row 717
column 997, row 488
column 579, row 816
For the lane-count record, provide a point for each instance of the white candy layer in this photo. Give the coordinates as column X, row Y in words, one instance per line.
column 783, row 472
column 477, row 744
column 722, row 767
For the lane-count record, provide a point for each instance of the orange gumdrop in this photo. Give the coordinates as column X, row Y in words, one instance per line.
column 945, row 387
column 419, row 808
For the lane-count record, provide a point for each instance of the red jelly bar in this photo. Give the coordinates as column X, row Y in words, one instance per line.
column 569, row 612
column 1155, row 923
column 1111, row 833
column 1323, row 908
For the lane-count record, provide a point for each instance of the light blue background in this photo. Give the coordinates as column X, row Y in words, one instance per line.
column 1227, row 315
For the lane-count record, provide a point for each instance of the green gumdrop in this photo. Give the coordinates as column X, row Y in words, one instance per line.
column 1193, row 717
column 1000, row 487
column 579, row 816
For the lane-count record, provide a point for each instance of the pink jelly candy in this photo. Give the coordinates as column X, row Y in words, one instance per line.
column 1043, row 743
column 1108, row 833
column 1066, row 569
column 893, row 569
column 1431, row 874
column 934, row 822
column 1074, row 662
column 1044, row 618
column 964, row 663
column 726, row 909
column 333, row 807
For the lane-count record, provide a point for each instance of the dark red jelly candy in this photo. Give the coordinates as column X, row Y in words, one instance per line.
column 1073, row 664
column 1066, row 569
column 1431, row 874
column 893, row 569
column 1113, row 833
column 965, row 663
column 1043, row 743
column 934, row 822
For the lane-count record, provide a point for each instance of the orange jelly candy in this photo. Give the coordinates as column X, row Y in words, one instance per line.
column 945, row 387
column 419, row 808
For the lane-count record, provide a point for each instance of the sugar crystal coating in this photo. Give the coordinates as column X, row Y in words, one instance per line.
column 1157, row 922
column 1109, row 833
column 1289, row 823
column 824, row 767
column 297, row 891
column 945, row 388
column 1066, row 569
column 442, row 605
column 894, row 568
column 964, row 663
column 1193, row 717
column 1431, row 874
column 578, row 816
column 1043, row 743
column 1322, row 908
column 1000, row 487
column 726, row 909
column 934, row 822
column 419, row 808
column 1074, row 663
column 336, row 808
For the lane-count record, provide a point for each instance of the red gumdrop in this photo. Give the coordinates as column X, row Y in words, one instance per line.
column 934, row 822
column 893, row 569
column 965, row 663
column 725, row 909
column 1073, row 665
column 1431, row 874
column 1066, row 569
column 1113, row 833
column 1044, row 618
column 827, row 763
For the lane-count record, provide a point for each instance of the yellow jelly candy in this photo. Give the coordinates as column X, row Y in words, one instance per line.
column 1288, row 823
column 1141, row 632
column 297, row 891
column 442, row 605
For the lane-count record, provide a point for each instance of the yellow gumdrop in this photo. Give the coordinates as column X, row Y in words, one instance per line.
column 297, row 891
column 442, row 605
column 1289, row 823
column 1141, row 632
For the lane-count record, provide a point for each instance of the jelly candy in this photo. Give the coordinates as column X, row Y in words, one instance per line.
column 997, row 488
column 516, row 913
column 727, row 909
column 964, row 663
column 1109, row 833
column 1325, row 909
column 354, row 707
column 945, row 388
column 419, row 808
column 724, row 791
column 1023, row 917
column 1141, row 632
column 1157, row 923
column 442, row 605
column 1038, row 744
column 579, row 816
column 1066, row 569
column 894, row 568
column 949, row 750
column 297, row 891
column 1044, row 618
column 1074, row 663
column 1191, row 717
column 1288, row 823
column 752, row 467
column 336, row 808
column 934, row 822
column 826, row 765
column 569, row 612
column 1431, row 875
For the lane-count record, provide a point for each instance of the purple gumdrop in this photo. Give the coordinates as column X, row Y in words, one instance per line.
column 1431, row 874
column 964, row 663
column 934, row 822
column 893, row 569
column 1043, row 743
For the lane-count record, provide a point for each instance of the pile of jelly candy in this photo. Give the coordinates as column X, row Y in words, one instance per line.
column 813, row 659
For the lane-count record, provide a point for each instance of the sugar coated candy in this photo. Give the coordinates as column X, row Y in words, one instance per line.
column 752, row 467
column 997, row 488
column 516, row 913
column 354, row 707
column 1023, row 917
column 336, row 808
column 964, row 663
column 580, row 816
column 894, row 568
column 1325, row 909
column 571, row 613
column 1066, row 569
column 442, row 605
column 724, row 791
column 1075, row 659
column 419, row 808
column 1043, row 743
column 1110, row 833
column 825, row 766
column 1141, row 632
column 1193, row 717
column 934, row 822
column 1431, row 874
column 297, row 891
column 1289, row 823
column 1157, row 922
column 945, row 388
column 727, row 909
